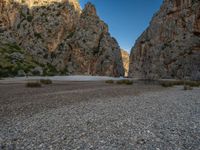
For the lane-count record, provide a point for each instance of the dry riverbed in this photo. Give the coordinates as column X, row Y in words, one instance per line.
column 96, row 115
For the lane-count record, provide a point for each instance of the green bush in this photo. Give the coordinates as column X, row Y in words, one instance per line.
column 110, row 81
column 50, row 70
column 166, row 84
column 46, row 81
column 127, row 82
column 33, row 84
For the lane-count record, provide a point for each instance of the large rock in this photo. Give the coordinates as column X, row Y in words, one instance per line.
column 62, row 35
column 170, row 47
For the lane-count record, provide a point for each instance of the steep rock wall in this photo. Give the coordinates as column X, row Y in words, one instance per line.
column 170, row 47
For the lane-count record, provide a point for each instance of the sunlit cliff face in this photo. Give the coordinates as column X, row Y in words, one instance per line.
column 50, row 19
column 32, row 3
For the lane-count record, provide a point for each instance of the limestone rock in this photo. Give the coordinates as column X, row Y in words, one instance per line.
column 125, row 58
column 59, row 34
column 170, row 47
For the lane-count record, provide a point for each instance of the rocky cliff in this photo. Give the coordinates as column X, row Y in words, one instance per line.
column 59, row 37
column 170, row 47
column 125, row 58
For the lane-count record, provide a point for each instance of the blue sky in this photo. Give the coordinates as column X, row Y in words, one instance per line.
column 126, row 19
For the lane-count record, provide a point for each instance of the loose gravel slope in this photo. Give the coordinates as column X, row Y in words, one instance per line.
column 95, row 115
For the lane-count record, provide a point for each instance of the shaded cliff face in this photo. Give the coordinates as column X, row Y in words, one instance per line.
column 170, row 47
column 57, row 33
column 125, row 58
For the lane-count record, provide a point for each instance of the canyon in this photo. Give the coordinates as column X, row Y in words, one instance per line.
column 59, row 38
column 65, row 83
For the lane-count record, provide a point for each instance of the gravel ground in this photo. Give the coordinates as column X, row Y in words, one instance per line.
column 95, row 115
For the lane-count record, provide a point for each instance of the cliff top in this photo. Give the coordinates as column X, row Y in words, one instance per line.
column 36, row 3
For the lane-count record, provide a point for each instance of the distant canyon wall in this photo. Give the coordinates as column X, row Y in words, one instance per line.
column 125, row 58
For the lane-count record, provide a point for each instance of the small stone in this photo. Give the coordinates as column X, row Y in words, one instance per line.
column 141, row 141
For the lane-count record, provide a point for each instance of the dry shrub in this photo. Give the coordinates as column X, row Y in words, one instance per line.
column 33, row 84
column 180, row 82
column 46, row 81
column 127, row 82
column 187, row 87
column 110, row 81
